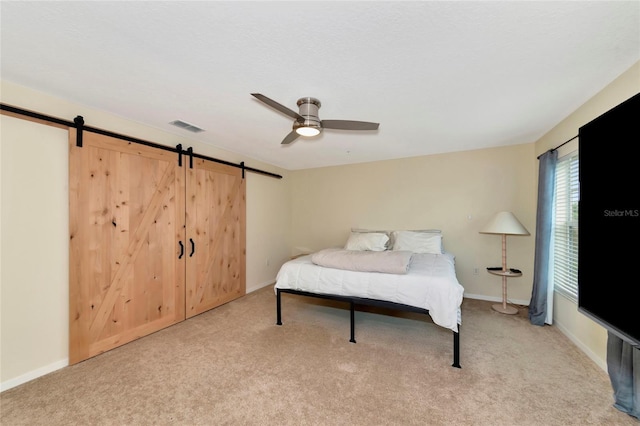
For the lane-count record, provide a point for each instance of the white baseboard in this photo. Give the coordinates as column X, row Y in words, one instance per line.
column 260, row 285
column 12, row 383
column 599, row 362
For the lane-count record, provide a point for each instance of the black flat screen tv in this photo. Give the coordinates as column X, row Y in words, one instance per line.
column 609, row 220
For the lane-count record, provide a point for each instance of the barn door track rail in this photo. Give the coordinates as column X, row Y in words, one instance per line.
column 78, row 124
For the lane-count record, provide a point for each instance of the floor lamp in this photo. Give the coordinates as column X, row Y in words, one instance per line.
column 504, row 223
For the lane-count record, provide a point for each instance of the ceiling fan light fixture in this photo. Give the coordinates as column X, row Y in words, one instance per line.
column 308, row 131
column 309, row 127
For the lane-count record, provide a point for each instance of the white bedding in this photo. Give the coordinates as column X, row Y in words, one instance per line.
column 430, row 284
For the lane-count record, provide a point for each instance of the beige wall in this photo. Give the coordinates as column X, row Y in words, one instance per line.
column 457, row 193
column 34, row 227
column 585, row 333
column 268, row 224
column 34, row 219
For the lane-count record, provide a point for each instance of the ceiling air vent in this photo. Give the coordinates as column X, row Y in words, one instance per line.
column 187, row 126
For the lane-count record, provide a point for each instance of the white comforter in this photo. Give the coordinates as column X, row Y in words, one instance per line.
column 430, row 284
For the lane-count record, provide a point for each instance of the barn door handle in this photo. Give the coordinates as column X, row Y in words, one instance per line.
column 193, row 247
column 181, row 249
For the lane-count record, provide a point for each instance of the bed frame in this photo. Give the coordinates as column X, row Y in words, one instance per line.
column 366, row 302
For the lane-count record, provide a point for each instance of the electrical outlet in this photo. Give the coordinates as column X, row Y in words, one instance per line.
column 476, row 271
column 267, row 261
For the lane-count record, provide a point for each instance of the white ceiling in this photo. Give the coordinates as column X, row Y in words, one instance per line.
column 438, row 76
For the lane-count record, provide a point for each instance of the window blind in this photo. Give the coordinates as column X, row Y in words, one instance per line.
column 565, row 256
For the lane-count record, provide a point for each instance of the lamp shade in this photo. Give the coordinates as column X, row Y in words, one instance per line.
column 504, row 223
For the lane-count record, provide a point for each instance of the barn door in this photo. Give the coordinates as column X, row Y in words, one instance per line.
column 126, row 230
column 215, row 235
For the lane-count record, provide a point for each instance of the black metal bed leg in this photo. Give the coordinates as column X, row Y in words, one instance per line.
column 278, row 308
column 353, row 328
column 456, row 348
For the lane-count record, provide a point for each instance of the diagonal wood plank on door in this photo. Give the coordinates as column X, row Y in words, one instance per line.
column 218, row 238
column 216, row 222
column 126, row 258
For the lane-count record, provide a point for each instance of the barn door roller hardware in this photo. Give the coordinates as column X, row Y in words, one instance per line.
column 78, row 124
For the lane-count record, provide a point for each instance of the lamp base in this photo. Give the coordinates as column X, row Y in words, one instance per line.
column 509, row 310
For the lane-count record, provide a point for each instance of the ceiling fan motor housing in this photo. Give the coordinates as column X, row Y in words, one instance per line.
column 308, row 108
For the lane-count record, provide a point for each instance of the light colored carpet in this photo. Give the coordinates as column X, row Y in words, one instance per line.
column 233, row 366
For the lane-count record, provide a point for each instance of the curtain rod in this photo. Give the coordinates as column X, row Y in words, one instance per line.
column 80, row 124
column 562, row 144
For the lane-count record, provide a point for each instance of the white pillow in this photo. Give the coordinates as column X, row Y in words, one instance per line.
column 391, row 234
column 418, row 242
column 372, row 241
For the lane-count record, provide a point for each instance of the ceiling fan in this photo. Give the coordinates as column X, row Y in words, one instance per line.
column 307, row 122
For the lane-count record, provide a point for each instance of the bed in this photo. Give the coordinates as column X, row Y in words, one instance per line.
column 403, row 270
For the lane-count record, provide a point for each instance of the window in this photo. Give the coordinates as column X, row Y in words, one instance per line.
column 565, row 227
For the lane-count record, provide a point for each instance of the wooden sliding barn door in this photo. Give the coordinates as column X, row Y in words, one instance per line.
column 215, row 234
column 127, row 273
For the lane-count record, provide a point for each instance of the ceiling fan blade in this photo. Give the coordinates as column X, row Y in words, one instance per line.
column 273, row 104
column 349, row 125
column 290, row 138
